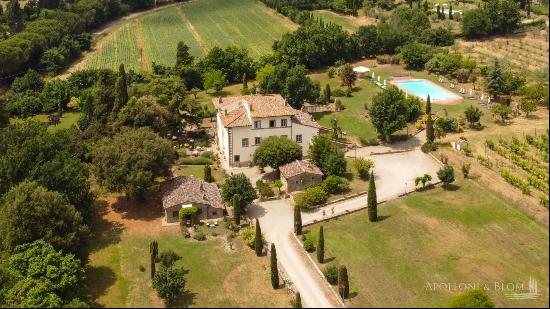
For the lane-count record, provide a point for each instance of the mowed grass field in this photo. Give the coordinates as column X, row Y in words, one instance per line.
column 467, row 235
column 118, row 271
column 201, row 24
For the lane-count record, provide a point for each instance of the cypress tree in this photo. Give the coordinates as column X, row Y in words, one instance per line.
column 297, row 221
column 182, row 55
column 121, row 95
column 14, row 16
column 372, row 204
column 438, row 12
column 297, row 303
column 430, row 133
column 258, row 244
column 426, row 7
column 208, row 173
column 451, row 11
column 245, row 82
column 495, row 81
column 274, row 268
column 321, row 246
column 153, row 250
column 327, row 94
column 236, row 203
column 343, row 283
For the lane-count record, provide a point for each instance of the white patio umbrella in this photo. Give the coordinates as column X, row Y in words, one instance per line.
column 361, row 69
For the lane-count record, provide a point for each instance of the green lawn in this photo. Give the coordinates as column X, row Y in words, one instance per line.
column 118, row 271
column 353, row 118
column 68, row 120
column 200, row 24
column 468, row 235
column 331, row 17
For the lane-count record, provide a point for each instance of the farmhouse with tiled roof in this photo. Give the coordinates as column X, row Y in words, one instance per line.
column 244, row 121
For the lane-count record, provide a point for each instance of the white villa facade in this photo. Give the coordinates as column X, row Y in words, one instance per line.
column 244, row 121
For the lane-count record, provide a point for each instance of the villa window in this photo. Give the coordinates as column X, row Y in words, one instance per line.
column 257, row 124
column 257, row 140
column 272, row 123
column 245, row 142
column 283, row 122
column 299, row 138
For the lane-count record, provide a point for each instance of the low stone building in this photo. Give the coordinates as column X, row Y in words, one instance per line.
column 183, row 191
column 298, row 175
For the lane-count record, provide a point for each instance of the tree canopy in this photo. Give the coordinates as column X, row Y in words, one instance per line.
column 132, row 160
column 275, row 151
column 389, row 112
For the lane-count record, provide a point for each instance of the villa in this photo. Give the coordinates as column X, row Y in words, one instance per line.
column 244, row 121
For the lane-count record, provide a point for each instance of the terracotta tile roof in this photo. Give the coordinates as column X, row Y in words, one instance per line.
column 299, row 167
column 188, row 190
column 305, row 119
column 261, row 106
column 235, row 118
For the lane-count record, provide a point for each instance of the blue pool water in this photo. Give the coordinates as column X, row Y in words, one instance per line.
column 422, row 88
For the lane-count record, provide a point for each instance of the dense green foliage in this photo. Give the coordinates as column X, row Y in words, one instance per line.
column 343, row 282
column 258, row 239
column 41, row 277
column 471, row 299
column 169, row 283
column 372, row 201
column 323, row 153
column 321, row 246
column 297, row 220
column 446, row 174
column 238, row 184
column 131, row 161
column 276, row 151
column 494, row 17
column 389, row 112
column 30, row 212
column 274, row 267
column 312, row 196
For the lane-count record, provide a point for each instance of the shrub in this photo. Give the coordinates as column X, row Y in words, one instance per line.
column 200, row 236
column 248, row 235
column 168, row 258
column 363, row 167
column 190, row 212
column 331, row 274
column 446, row 174
column 543, row 201
column 338, row 92
column 264, row 189
column 369, row 141
column 195, row 161
column 309, row 245
column 471, row 299
column 485, row 161
column 335, row 184
column 312, row 196
column 428, row 147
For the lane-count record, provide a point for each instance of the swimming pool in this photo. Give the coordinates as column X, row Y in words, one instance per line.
column 422, row 88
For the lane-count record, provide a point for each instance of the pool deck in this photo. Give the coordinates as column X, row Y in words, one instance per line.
column 456, row 99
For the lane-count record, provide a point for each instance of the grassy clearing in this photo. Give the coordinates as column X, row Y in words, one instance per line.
column 200, row 24
column 346, row 22
column 118, row 269
column 68, row 120
column 469, row 235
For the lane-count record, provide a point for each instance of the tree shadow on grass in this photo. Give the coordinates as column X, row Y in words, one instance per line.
column 352, row 295
column 99, row 279
column 451, row 187
column 382, row 218
column 185, row 300
column 329, row 259
column 146, row 209
column 105, row 232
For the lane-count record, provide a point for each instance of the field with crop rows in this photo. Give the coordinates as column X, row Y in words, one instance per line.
column 521, row 162
column 201, row 24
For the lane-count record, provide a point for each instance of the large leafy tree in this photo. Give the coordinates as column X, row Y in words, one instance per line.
column 233, row 61
column 238, row 184
column 275, row 151
column 298, row 87
column 14, row 16
column 45, row 278
column 146, row 112
column 369, row 42
column 132, row 160
column 389, row 112
column 416, row 55
column 323, row 153
column 473, row 115
column 183, row 58
column 28, row 151
column 169, row 283
column 30, row 212
column 347, row 76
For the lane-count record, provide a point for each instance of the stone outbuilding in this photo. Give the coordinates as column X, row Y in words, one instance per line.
column 183, row 191
column 298, row 175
